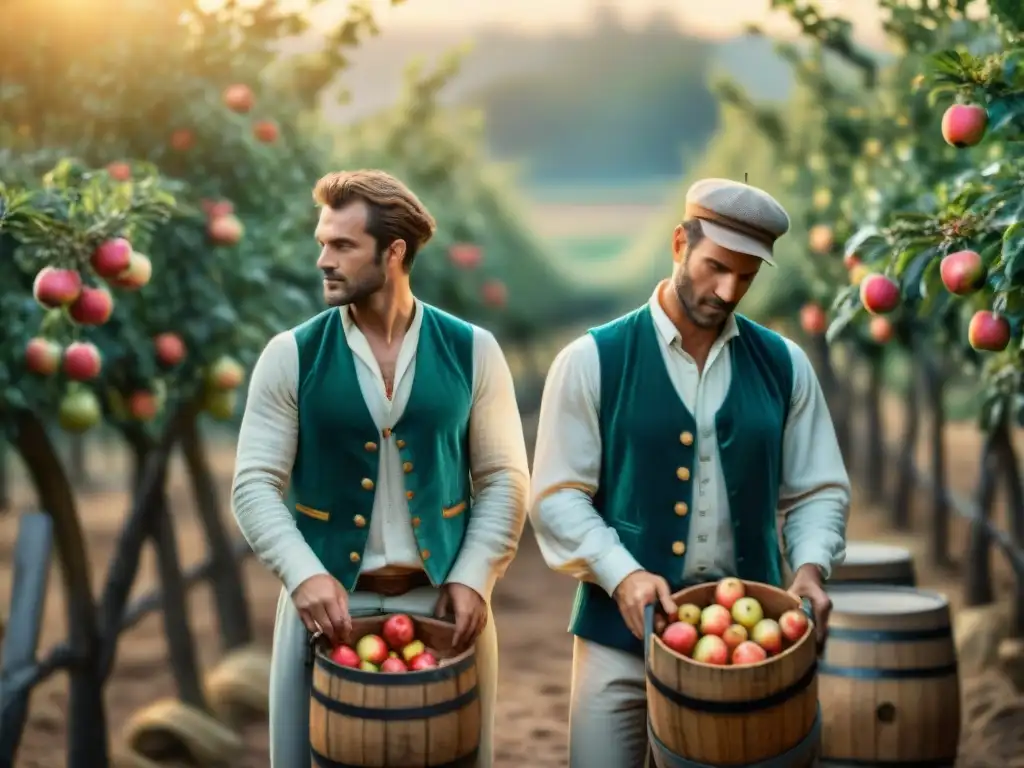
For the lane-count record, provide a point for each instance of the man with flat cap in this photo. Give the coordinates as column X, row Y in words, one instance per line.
column 671, row 442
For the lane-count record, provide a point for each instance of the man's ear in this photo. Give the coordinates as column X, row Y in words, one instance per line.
column 678, row 243
column 396, row 252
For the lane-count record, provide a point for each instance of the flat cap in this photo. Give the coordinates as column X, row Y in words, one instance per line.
column 737, row 216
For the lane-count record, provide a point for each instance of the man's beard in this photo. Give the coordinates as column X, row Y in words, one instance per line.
column 355, row 291
column 700, row 313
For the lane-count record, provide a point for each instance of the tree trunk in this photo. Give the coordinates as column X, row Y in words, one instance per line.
column 934, row 392
column 87, row 727
column 5, row 478
column 78, row 462
column 228, row 588
column 874, row 444
column 978, row 583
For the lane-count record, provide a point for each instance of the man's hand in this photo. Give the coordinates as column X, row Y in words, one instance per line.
column 638, row 590
column 807, row 583
column 322, row 604
column 470, row 613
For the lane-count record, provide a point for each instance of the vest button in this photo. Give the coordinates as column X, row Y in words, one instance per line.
column 686, row 438
column 407, row 467
column 678, row 548
column 354, row 557
column 415, row 522
column 360, row 521
column 681, row 508
column 400, row 443
column 386, row 432
column 370, row 447
column 409, row 495
column 683, row 473
column 367, row 484
column 425, row 554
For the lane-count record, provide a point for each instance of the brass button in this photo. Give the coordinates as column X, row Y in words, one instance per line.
column 360, row 521
column 425, row 554
column 386, row 433
column 367, row 483
column 415, row 522
column 681, row 508
column 354, row 557
column 407, row 467
column 370, row 447
column 678, row 548
column 409, row 495
column 686, row 438
column 683, row 473
column 400, row 443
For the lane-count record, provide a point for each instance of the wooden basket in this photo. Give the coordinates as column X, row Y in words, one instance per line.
column 891, row 690
column 868, row 562
column 707, row 715
column 415, row 719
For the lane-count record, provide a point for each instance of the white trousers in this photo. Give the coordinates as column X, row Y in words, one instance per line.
column 291, row 678
column 607, row 708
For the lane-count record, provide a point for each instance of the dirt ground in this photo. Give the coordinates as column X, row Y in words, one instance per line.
column 531, row 605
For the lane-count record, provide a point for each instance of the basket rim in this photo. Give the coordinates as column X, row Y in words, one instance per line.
column 740, row 667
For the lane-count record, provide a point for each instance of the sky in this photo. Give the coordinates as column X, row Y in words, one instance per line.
column 714, row 18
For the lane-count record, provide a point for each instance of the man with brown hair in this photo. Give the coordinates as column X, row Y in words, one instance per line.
column 396, row 425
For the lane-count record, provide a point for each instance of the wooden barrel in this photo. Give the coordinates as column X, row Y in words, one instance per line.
column 705, row 715
column 870, row 563
column 890, row 692
column 417, row 719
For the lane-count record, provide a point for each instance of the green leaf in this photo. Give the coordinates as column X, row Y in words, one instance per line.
column 846, row 316
column 948, row 62
column 1012, row 255
column 1004, row 111
column 1009, row 12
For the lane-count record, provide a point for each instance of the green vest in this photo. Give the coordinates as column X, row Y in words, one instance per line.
column 649, row 443
column 336, row 461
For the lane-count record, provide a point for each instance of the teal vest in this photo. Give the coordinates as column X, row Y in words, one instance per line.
column 649, row 447
column 337, row 456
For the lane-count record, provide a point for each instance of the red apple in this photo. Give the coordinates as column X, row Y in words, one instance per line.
column 217, row 208
column 748, row 652
column 813, row 319
column 728, row 591
column 265, row 131
column 372, row 648
column 879, row 294
column 413, row 649
column 398, row 630
column 793, row 624
column 182, row 140
column 494, row 293
column 138, row 274
column 746, row 612
column 680, row 636
column 112, row 257
column 82, row 361
column 714, row 620
column 880, row 330
column 79, row 411
column 988, row 332
column 735, row 635
column 392, row 664
column 465, row 255
column 225, row 230
column 851, row 260
column 767, row 634
column 56, row 287
column 424, row 660
column 711, row 649
column 821, row 238
column 143, row 405
column 42, row 356
column 963, row 125
column 119, row 171
column 962, row 272
column 170, row 349
column 689, row 613
column 225, row 373
column 92, row 307
column 345, row 656
column 238, row 98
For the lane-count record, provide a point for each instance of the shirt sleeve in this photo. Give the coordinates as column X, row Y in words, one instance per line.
column 814, row 495
column 263, row 465
column 498, row 469
column 573, row 537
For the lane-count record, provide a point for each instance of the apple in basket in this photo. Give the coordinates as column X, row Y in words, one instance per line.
column 680, row 636
column 747, row 611
column 767, row 634
column 689, row 613
column 728, row 591
column 372, row 648
column 345, row 656
column 398, row 631
column 393, row 664
column 748, row 652
column 735, row 635
column 793, row 624
column 412, row 650
column 424, row 660
column 711, row 649
column 714, row 620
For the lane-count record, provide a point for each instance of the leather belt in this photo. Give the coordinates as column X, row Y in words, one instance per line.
column 392, row 584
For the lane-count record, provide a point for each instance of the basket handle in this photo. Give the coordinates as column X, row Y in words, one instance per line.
column 648, row 629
